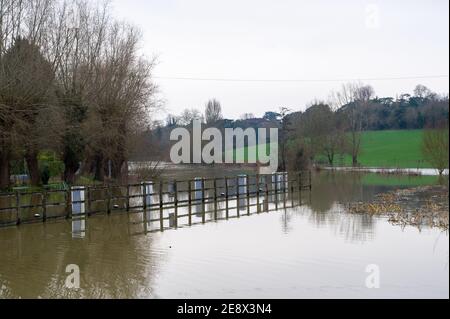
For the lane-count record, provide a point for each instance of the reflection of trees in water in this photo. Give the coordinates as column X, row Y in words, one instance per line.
column 286, row 218
column 331, row 190
column 334, row 187
column 113, row 264
column 355, row 227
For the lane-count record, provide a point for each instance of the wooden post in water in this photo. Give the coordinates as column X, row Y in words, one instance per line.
column 299, row 181
column 128, row 199
column 310, row 180
column 18, row 208
column 44, row 206
column 238, row 190
column 175, row 190
column 203, row 202
column 300, row 188
column 227, row 197
column 68, row 204
column 247, row 182
column 215, row 198
column 161, row 206
column 190, row 202
column 257, row 193
column 88, row 201
column 109, row 194
column 144, row 204
column 144, row 197
column 276, row 191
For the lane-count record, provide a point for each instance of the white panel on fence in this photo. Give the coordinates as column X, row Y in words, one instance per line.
column 198, row 186
column 243, row 184
column 171, row 187
column 148, row 187
column 283, row 181
column 78, row 200
column 198, row 195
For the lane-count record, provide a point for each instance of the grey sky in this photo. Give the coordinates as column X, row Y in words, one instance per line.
column 298, row 40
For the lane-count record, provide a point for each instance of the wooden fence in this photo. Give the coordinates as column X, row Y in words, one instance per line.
column 183, row 198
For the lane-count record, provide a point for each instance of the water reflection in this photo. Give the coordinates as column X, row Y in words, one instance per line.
column 78, row 227
column 113, row 263
column 293, row 245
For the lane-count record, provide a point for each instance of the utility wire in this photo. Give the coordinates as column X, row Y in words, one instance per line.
column 300, row 80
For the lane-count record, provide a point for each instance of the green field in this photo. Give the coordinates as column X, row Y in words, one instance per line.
column 391, row 149
column 400, row 180
column 383, row 149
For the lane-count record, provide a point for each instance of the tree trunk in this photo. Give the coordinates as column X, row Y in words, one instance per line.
column 99, row 173
column 355, row 160
column 4, row 171
column 70, row 171
column 331, row 159
column 69, row 174
column 31, row 158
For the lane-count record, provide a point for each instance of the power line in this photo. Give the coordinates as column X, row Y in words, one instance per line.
column 177, row 78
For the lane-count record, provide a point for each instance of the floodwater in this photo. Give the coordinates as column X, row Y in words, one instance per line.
column 412, row 171
column 304, row 246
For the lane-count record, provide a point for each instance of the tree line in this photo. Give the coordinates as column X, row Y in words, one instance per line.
column 72, row 81
column 328, row 129
column 332, row 129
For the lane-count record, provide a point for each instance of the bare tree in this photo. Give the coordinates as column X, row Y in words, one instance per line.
column 189, row 115
column 213, row 111
column 324, row 130
column 435, row 147
column 123, row 99
column 29, row 78
column 352, row 100
column 69, row 64
column 422, row 91
column 25, row 82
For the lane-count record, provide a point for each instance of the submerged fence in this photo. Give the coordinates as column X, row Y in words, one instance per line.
column 186, row 199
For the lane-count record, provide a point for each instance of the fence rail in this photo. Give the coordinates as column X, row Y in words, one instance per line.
column 84, row 201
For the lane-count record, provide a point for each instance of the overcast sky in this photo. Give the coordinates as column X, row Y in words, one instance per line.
column 311, row 41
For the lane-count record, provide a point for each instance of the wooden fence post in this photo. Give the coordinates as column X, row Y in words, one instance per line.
column 247, row 182
column 19, row 220
column 128, row 198
column 144, row 196
column 227, row 197
column 44, row 206
column 310, row 180
column 238, row 196
column 161, row 206
column 175, row 189
column 88, row 201
column 276, row 191
column 203, row 202
column 109, row 194
column 257, row 193
column 69, row 203
column 190, row 202
column 300, row 181
column 215, row 198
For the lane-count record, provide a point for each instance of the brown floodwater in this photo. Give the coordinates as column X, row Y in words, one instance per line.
column 304, row 246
